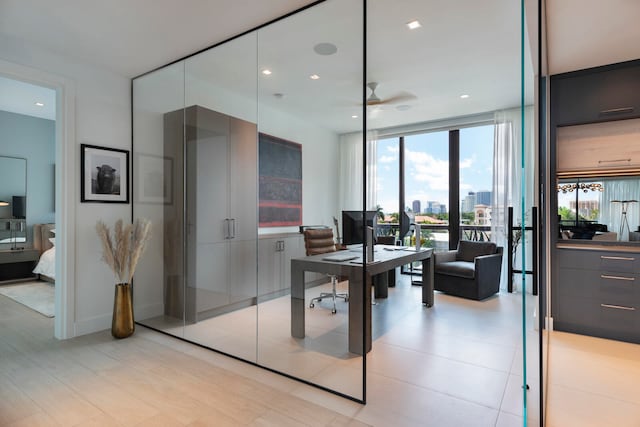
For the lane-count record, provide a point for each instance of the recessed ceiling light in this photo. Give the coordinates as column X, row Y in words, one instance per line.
column 465, row 96
column 39, row 104
column 414, row 24
column 314, row 77
column 266, row 72
column 403, row 107
column 354, row 117
column 325, row 48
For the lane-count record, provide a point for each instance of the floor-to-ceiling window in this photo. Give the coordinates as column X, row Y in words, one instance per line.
column 476, row 181
column 426, row 179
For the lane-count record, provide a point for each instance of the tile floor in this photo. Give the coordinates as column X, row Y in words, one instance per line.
column 592, row 382
column 456, row 364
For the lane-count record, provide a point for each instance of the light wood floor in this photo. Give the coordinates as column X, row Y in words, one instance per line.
column 145, row 380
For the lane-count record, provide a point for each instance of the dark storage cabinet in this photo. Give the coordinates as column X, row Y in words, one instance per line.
column 16, row 265
column 597, row 292
column 596, row 95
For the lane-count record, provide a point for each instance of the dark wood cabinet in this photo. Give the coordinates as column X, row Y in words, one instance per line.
column 18, row 265
column 594, row 95
column 597, row 293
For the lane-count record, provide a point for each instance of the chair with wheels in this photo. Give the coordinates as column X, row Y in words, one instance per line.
column 320, row 241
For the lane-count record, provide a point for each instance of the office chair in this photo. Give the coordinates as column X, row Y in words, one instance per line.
column 320, row 241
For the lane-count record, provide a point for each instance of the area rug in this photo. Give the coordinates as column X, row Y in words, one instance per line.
column 38, row 296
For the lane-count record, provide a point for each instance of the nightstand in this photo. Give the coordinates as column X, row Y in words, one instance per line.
column 18, row 265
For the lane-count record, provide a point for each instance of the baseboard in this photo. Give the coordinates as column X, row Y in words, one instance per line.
column 91, row 325
column 102, row 322
column 549, row 323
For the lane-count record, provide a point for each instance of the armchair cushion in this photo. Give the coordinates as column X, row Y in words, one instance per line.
column 456, row 268
column 468, row 251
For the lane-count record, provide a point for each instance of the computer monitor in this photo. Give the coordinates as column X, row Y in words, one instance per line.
column 406, row 219
column 353, row 226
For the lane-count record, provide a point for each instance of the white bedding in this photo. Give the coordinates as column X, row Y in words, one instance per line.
column 47, row 263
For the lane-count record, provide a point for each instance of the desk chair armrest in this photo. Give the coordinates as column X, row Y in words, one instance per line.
column 447, row 256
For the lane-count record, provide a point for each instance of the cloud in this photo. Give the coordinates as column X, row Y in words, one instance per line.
column 464, row 186
column 393, row 148
column 387, row 159
column 423, row 167
column 467, row 163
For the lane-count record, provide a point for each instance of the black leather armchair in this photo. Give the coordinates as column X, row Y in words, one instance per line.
column 472, row 271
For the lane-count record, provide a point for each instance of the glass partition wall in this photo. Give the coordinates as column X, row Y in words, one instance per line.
column 237, row 146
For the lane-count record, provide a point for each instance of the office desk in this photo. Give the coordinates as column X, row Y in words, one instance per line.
column 384, row 261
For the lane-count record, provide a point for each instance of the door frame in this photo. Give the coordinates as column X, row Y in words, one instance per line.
column 65, row 197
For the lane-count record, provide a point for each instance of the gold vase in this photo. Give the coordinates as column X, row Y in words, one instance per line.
column 122, row 324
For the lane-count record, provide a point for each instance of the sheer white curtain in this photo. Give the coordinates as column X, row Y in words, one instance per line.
column 508, row 176
column 350, row 178
column 611, row 212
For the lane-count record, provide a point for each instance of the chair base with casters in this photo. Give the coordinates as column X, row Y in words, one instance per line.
column 334, row 295
column 320, row 241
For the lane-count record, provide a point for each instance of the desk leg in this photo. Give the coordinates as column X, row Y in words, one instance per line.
column 381, row 285
column 297, row 301
column 427, row 281
column 356, row 313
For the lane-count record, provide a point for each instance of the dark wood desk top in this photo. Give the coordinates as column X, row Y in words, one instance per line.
column 384, row 260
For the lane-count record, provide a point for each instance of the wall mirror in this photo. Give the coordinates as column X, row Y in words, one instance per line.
column 13, row 194
column 599, row 208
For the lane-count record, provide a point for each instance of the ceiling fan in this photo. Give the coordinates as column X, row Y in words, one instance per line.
column 374, row 99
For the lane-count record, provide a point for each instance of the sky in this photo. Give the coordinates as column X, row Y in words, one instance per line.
column 427, row 166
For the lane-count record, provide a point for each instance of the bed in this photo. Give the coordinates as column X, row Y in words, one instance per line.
column 44, row 237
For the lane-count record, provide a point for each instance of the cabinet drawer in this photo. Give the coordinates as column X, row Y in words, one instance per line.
column 623, row 263
column 617, row 320
column 602, row 319
column 620, row 287
column 596, row 260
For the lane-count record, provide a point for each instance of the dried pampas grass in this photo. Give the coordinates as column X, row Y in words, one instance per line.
column 122, row 250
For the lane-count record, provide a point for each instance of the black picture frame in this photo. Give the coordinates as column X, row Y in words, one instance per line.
column 104, row 174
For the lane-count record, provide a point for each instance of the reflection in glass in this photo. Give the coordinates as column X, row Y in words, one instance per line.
column 603, row 208
column 158, row 190
column 13, row 208
column 305, row 108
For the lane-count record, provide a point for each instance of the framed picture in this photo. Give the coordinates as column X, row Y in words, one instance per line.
column 104, row 174
column 153, row 179
column 280, row 182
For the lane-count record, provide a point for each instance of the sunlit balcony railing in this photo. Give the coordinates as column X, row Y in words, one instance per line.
column 437, row 235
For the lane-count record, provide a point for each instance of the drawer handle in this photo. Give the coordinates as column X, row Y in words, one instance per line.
column 623, row 258
column 617, row 110
column 618, row 307
column 604, row 276
column 613, row 161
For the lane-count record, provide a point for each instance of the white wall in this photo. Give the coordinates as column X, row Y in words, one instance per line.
column 103, row 117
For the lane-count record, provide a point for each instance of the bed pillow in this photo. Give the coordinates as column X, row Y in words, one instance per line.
column 52, row 240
